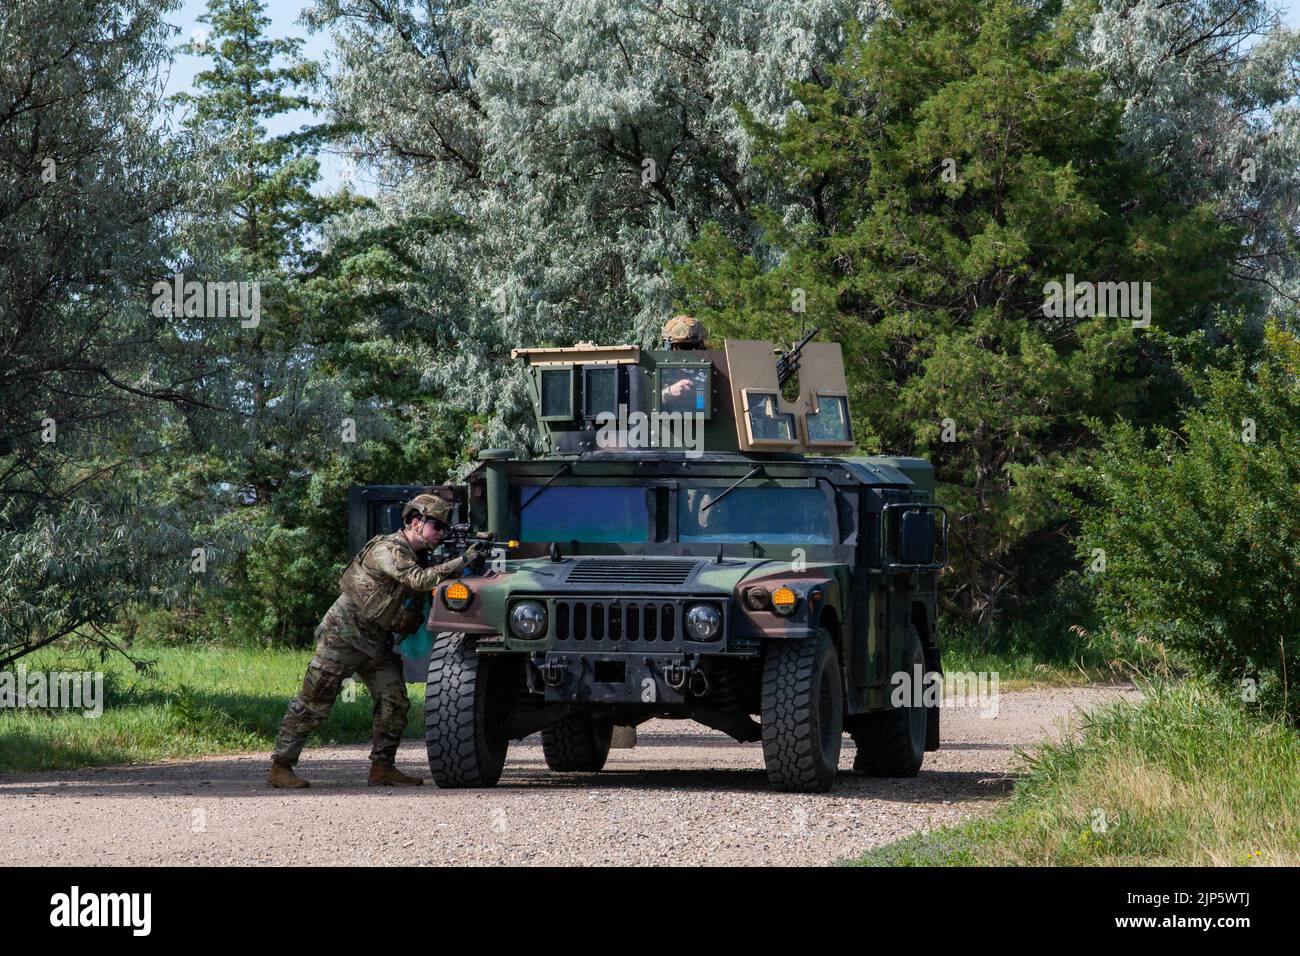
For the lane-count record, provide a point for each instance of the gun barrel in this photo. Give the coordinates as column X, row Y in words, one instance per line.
column 788, row 363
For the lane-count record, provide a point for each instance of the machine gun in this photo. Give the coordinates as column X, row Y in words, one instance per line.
column 788, row 363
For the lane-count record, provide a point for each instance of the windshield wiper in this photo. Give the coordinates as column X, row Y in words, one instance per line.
column 563, row 468
column 748, row 475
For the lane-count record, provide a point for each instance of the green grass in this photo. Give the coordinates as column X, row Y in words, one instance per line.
column 194, row 701
column 1185, row 778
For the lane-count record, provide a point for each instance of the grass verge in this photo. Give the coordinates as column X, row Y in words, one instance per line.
column 1185, row 778
column 194, row 701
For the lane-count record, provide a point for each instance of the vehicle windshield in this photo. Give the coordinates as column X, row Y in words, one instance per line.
column 584, row 513
column 779, row 515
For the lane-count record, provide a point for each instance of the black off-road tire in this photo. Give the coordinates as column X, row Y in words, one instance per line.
column 892, row 743
column 803, row 713
column 461, row 712
column 577, row 744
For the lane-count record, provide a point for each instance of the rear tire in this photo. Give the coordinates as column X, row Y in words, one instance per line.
column 465, row 700
column 892, row 743
column 577, row 744
column 803, row 714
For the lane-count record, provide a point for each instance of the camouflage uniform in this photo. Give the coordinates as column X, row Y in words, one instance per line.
column 383, row 592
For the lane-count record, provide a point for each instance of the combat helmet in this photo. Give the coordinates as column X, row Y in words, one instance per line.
column 684, row 332
column 428, row 506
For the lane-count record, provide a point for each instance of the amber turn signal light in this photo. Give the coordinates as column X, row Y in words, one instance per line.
column 784, row 600
column 456, row 596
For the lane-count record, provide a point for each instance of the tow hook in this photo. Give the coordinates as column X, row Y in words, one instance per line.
column 675, row 674
column 699, row 683
column 553, row 671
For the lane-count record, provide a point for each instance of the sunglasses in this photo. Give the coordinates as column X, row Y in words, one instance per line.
column 438, row 525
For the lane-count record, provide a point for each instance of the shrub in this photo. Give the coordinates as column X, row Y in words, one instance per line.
column 1194, row 539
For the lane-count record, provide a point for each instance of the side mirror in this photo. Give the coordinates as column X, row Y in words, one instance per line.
column 916, row 537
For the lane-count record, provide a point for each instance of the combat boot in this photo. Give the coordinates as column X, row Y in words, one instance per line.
column 386, row 775
column 283, row 778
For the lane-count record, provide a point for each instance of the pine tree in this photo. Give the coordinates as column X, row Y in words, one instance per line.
column 245, row 464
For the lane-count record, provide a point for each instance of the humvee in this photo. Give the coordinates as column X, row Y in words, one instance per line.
column 697, row 542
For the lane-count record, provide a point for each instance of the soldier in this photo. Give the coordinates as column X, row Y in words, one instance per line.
column 383, row 591
column 684, row 333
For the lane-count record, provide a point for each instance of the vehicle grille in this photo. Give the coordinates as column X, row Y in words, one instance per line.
column 596, row 619
column 656, row 572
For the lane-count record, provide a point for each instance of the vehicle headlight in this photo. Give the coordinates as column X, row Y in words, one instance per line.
column 528, row 619
column 703, row 622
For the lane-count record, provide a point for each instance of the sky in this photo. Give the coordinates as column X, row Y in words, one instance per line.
column 284, row 16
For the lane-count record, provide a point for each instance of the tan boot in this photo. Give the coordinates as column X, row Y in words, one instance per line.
column 383, row 775
column 283, row 778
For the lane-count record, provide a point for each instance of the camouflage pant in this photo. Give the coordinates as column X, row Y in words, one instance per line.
column 334, row 661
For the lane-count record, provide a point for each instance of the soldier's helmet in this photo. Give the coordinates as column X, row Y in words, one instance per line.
column 685, row 332
column 428, row 506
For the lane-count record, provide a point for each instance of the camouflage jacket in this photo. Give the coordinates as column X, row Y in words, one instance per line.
column 385, row 586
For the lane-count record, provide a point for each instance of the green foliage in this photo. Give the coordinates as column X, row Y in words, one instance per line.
column 1199, row 527
column 580, row 144
column 1053, row 640
column 955, row 162
column 85, row 193
column 261, row 470
column 1187, row 777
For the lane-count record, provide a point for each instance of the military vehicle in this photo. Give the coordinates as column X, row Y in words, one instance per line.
column 698, row 542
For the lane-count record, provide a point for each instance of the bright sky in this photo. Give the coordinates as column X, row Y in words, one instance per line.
column 284, row 16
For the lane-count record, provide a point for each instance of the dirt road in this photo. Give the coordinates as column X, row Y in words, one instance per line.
column 684, row 795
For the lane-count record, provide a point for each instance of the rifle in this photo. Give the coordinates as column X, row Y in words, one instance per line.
column 460, row 536
column 788, row 363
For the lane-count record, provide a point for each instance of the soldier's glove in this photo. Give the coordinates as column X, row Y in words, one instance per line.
column 476, row 555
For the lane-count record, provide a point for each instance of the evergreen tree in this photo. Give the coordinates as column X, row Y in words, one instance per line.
column 303, row 399
column 955, row 164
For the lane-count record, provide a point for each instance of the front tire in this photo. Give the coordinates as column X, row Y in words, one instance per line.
column 577, row 744
column 803, row 714
column 892, row 743
column 463, row 709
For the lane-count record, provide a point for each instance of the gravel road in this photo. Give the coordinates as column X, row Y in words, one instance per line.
column 684, row 795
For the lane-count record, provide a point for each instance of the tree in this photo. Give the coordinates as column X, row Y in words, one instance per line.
column 955, row 164
column 1209, row 89
column 85, row 192
column 580, row 144
column 308, row 396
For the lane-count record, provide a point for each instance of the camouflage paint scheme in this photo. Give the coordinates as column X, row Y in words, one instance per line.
column 836, row 572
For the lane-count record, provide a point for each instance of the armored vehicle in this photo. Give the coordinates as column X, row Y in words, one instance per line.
column 697, row 542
